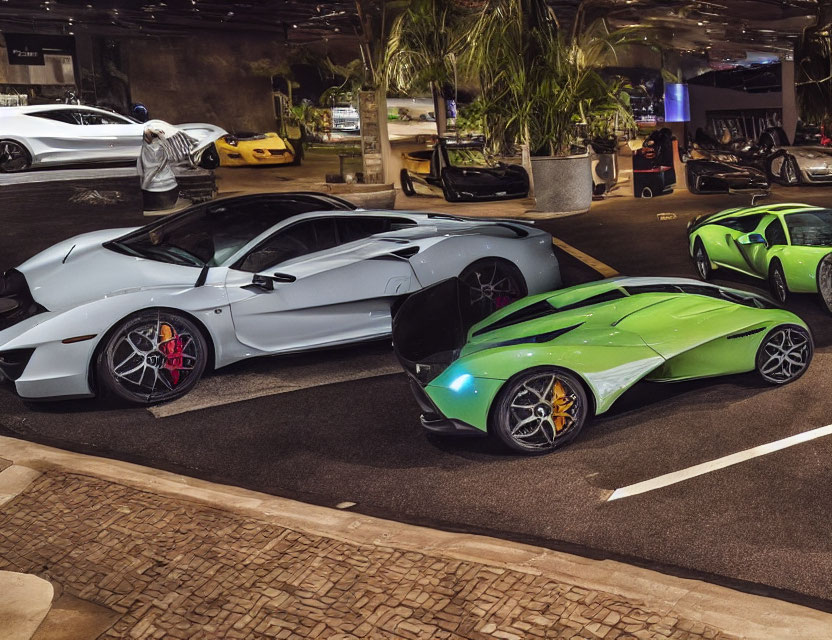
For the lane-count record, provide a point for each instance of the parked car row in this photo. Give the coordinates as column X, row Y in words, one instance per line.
column 491, row 343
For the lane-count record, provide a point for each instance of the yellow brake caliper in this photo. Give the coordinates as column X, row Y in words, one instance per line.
column 165, row 332
column 560, row 405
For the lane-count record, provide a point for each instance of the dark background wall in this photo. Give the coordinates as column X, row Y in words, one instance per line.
column 203, row 78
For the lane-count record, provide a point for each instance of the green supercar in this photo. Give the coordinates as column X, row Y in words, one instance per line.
column 534, row 372
column 790, row 245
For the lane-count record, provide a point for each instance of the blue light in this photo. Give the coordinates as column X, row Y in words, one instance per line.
column 460, row 381
column 676, row 103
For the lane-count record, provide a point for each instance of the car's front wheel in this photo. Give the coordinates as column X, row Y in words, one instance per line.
column 540, row 410
column 777, row 282
column 210, row 158
column 492, row 285
column 825, row 281
column 702, row 260
column 13, row 157
column 152, row 356
column 784, row 354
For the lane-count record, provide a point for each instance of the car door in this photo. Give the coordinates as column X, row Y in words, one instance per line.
column 110, row 136
column 319, row 281
column 757, row 246
column 722, row 241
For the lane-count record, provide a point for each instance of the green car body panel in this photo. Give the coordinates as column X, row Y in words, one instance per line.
column 724, row 236
column 631, row 333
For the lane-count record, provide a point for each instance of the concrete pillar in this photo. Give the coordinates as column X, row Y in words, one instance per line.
column 789, row 95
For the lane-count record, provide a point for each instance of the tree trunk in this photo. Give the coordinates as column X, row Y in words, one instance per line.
column 441, row 111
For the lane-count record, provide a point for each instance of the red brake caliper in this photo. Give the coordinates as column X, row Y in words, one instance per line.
column 170, row 344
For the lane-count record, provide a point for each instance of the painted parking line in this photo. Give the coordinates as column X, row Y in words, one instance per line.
column 222, row 389
column 604, row 269
column 720, row 463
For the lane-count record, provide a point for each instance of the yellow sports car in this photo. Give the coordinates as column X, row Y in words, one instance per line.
column 245, row 149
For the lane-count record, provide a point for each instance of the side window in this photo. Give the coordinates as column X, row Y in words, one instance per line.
column 743, row 224
column 94, row 117
column 356, row 228
column 289, row 243
column 775, row 234
column 66, row 116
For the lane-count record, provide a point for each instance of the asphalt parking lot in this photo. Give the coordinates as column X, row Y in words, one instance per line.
column 301, row 427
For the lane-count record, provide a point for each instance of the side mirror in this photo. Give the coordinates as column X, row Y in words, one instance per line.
column 751, row 238
column 262, row 282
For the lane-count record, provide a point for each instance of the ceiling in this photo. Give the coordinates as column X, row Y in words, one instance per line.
column 721, row 28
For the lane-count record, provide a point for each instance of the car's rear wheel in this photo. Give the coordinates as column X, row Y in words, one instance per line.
column 407, row 183
column 702, row 260
column 492, row 284
column 152, row 356
column 784, row 354
column 540, row 410
column 13, row 157
column 777, row 282
column 825, row 281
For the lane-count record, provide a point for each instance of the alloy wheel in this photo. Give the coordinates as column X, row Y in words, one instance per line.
column 13, row 157
column 543, row 411
column 825, row 281
column 778, row 282
column 492, row 285
column 703, row 264
column 784, row 354
column 156, row 359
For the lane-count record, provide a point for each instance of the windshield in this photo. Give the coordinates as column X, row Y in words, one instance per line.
column 810, row 228
column 205, row 235
column 467, row 157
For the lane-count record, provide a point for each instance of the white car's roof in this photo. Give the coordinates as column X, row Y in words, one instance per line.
column 58, row 106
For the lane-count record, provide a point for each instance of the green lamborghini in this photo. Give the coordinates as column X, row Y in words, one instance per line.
column 790, row 245
column 534, row 372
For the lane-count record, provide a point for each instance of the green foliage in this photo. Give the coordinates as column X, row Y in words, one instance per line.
column 537, row 82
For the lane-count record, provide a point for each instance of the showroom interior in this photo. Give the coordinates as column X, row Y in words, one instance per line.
column 415, row 319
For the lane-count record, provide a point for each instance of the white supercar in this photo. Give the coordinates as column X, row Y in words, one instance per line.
column 61, row 134
column 142, row 313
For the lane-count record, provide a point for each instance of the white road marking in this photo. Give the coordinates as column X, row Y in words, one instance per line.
column 720, row 463
column 222, row 389
column 604, row 269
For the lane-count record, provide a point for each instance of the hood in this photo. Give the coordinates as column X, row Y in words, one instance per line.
column 80, row 270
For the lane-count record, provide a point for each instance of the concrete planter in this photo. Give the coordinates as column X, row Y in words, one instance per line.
column 562, row 184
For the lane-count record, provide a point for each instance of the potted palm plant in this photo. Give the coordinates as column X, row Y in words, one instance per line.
column 541, row 83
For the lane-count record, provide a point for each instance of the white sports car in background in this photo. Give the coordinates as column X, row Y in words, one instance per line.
column 141, row 313
column 57, row 134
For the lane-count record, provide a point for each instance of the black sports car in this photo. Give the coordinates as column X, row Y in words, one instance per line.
column 463, row 172
column 709, row 176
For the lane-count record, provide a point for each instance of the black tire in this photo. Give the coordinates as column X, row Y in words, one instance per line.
column 702, row 260
column 407, row 184
column 777, row 282
column 784, row 354
column 14, row 157
column 297, row 157
column 540, row 410
column 824, row 280
column 210, row 158
column 151, row 348
column 493, row 284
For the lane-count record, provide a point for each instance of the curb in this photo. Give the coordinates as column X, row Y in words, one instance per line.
column 732, row 612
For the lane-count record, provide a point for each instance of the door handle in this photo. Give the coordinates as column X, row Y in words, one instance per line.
column 283, row 277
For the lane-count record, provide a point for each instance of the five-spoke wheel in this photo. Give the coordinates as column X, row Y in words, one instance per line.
column 13, row 157
column 784, row 354
column 493, row 284
column 540, row 410
column 152, row 356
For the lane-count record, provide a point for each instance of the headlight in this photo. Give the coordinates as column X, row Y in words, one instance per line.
column 231, row 140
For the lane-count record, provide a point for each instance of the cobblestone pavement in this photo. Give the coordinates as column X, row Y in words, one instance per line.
column 176, row 569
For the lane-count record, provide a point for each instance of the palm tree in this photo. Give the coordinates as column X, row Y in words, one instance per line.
column 423, row 46
column 538, row 82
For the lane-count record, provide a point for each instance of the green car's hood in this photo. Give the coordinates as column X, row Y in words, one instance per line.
column 667, row 314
